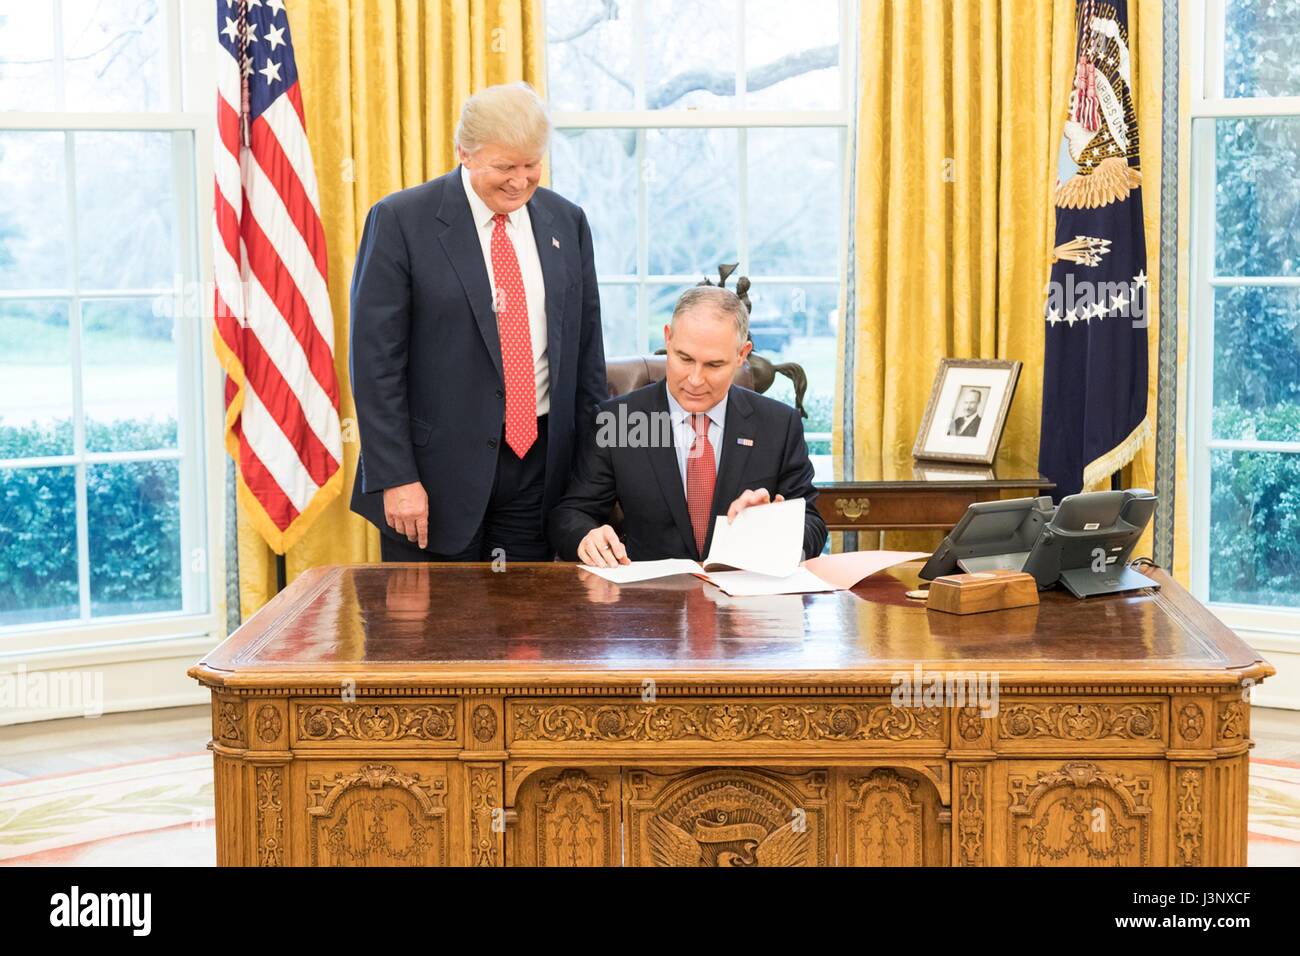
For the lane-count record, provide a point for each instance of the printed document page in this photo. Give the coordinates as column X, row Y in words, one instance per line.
column 765, row 539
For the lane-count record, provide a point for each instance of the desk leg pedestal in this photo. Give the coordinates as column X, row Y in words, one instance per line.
column 1140, row 779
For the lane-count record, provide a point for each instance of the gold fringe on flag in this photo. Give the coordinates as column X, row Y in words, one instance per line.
column 1119, row 456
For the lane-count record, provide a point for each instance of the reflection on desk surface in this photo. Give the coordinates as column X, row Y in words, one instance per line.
column 538, row 616
column 828, row 471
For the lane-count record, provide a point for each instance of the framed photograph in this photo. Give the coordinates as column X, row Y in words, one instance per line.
column 967, row 411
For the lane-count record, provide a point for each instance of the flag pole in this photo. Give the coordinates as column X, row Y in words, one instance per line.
column 279, row 573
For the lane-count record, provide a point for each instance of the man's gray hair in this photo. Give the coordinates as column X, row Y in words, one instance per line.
column 726, row 303
column 509, row 114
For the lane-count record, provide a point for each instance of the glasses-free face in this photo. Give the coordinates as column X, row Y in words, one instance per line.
column 703, row 358
column 504, row 178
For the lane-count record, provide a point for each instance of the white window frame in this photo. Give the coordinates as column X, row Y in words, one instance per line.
column 200, row 622
column 740, row 119
column 1208, row 103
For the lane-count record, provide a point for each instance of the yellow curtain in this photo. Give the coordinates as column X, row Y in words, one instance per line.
column 960, row 115
column 383, row 82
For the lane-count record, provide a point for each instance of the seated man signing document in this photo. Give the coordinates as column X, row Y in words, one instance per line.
column 677, row 453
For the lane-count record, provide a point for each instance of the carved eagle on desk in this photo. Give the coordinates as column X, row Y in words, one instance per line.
column 718, row 841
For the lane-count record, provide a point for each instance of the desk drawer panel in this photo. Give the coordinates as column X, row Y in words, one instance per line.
column 895, row 509
column 371, row 813
column 435, row 724
column 548, row 724
column 1079, row 813
column 1123, row 725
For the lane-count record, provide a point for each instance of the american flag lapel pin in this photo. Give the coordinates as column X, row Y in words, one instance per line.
column 555, row 242
column 747, row 442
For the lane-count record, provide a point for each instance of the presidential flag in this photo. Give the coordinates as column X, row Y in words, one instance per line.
column 274, row 331
column 1095, row 350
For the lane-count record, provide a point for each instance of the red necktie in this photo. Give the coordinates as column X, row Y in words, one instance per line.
column 516, row 341
column 701, row 473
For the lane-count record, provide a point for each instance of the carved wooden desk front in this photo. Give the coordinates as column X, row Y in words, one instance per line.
column 449, row 715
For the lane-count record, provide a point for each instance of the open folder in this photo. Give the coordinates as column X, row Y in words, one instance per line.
column 759, row 553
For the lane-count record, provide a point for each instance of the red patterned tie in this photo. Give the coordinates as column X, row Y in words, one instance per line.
column 701, row 474
column 516, row 341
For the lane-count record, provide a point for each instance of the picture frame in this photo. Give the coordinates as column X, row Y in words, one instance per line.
column 943, row 471
column 967, row 411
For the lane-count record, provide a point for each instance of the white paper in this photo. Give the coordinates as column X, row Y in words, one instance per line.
column 766, row 539
column 838, row 572
column 751, row 584
column 646, row 570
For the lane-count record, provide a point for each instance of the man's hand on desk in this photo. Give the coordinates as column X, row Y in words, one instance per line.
column 406, row 509
column 748, row 499
column 602, row 549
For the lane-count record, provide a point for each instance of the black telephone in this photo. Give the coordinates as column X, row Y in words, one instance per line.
column 1087, row 544
column 1084, row 543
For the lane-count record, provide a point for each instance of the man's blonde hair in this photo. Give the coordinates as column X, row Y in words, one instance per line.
column 510, row 115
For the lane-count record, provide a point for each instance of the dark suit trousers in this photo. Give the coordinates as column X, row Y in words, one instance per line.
column 513, row 527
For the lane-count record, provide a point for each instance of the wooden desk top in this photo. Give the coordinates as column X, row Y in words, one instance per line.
column 534, row 625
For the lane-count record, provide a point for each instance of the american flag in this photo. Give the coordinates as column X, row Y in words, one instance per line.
column 274, row 330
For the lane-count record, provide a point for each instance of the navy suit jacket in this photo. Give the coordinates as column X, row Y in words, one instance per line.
column 425, row 354
column 646, row 481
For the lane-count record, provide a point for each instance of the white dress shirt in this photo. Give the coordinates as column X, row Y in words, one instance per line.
column 684, row 432
column 519, row 230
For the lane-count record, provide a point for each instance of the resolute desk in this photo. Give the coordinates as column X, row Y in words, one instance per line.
column 452, row 715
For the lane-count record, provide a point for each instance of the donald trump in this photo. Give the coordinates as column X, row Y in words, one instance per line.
column 476, row 350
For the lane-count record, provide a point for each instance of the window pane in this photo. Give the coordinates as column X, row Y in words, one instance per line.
column 114, row 55
column 1255, row 528
column 128, row 374
column 692, row 199
column 797, row 323
column 126, row 210
column 690, row 50
column 794, row 202
column 1257, row 202
column 1257, row 363
column 590, row 55
column 660, row 299
column 792, row 55
column 618, row 320
column 596, row 168
column 27, row 77
column 1261, row 48
column 38, row 545
column 33, row 227
column 35, row 379
column 134, row 524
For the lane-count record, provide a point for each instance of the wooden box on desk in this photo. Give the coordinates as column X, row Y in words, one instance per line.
column 982, row 591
